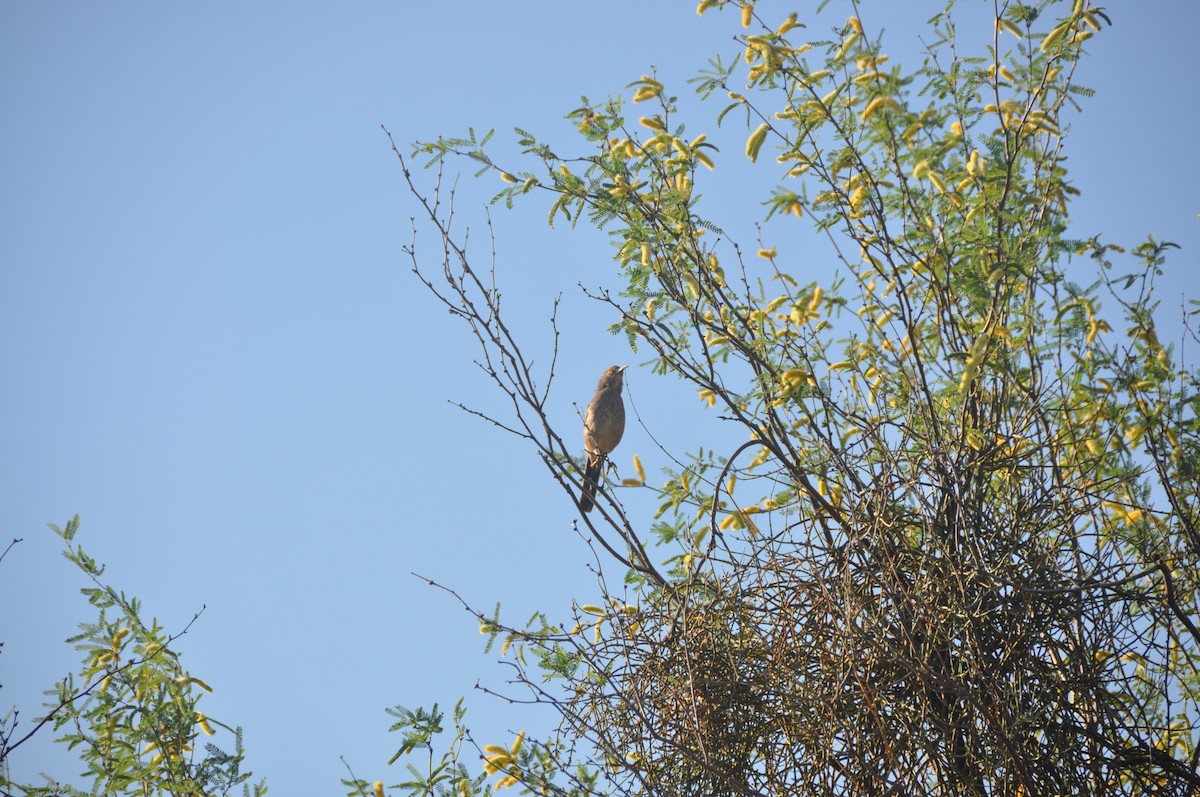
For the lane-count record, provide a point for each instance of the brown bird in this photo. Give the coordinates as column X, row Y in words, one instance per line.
column 603, row 426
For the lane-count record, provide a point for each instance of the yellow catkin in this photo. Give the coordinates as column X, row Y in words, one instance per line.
column 755, row 142
column 202, row 721
column 1004, row 25
column 1055, row 35
column 877, row 103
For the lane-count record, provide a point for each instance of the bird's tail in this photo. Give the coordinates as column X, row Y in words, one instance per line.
column 591, row 479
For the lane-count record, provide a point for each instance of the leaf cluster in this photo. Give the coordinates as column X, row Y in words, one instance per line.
column 132, row 711
column 957, row 550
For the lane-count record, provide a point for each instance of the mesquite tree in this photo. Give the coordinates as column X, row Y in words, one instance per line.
column 957, row 550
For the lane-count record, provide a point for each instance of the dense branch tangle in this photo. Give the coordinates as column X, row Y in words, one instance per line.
column 954, row 577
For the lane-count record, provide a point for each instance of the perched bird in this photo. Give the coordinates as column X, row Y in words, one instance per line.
column 603, row 425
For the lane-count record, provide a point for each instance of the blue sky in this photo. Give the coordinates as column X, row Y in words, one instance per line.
column 214, row 352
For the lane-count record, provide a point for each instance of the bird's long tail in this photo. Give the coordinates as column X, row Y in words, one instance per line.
column 591, row 479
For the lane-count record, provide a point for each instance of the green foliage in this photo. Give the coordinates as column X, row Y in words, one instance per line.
column 445, row 776
column 131, row 712
column 963, row 554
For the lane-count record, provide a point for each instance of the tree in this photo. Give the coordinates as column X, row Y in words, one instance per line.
column 963, row 554
column 132, row 712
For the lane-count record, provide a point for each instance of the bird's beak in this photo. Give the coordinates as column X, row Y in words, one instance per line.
column 621, row 370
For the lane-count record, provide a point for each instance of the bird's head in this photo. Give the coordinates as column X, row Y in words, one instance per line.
column 613, row 376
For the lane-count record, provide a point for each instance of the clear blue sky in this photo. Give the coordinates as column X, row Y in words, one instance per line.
column 212, row 348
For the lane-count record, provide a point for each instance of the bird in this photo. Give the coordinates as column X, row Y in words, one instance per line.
column 603, row 426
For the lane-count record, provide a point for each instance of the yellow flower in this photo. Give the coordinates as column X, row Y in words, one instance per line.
column 755, row 142
column 1004, row 25
column 202, row 721
column 815, row 302
column 876, row 104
